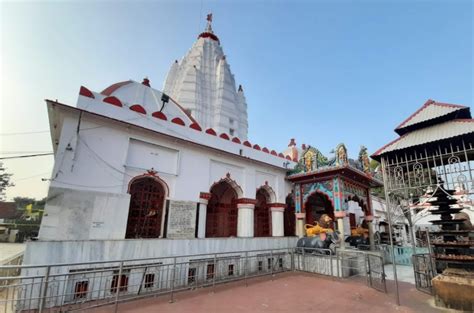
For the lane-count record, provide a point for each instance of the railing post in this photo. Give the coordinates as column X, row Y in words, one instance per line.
column 173, row 274
column 214, row 274
column 271, row 263
column 292, row 256
column 304, row 263
column 119, row 284
column 245, row 268
column 44, row 291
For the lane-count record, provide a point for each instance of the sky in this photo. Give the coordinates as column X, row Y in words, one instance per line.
column 322, row 72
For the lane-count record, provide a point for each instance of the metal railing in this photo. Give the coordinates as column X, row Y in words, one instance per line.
column 80, row 286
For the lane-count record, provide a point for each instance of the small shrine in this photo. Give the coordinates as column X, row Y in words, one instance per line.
column 332, row 186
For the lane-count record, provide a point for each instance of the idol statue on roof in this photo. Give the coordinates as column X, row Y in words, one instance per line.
column 341, row 155
column 364, row 159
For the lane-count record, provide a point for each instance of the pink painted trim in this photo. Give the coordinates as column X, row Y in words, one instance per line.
column 273, row 152
column 110, row 90
column 281, row 155
column 195, row 126
column 265, row 149
column 178, row 121
column 159, row 115
column 138, row 108
column 236, row 140
column 211, row 131
column 247, row 143
column 256, row 147
column 224, row 136
column 113, row 100
column 86, row 92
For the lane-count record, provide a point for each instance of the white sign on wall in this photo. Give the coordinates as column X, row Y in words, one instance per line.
column 181, row 219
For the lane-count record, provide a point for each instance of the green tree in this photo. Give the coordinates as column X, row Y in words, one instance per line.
column 4, row 181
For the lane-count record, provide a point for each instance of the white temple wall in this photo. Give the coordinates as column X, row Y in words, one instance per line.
column 88, row 192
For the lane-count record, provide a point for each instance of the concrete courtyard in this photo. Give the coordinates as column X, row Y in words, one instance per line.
column 287, row 292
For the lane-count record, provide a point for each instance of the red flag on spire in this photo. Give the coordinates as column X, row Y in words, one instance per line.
column 209, row 17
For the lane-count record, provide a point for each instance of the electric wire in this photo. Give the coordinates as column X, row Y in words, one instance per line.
column 26, row 156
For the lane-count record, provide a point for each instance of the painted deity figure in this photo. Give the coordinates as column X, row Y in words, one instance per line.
column 364, row 159
column 341, row 155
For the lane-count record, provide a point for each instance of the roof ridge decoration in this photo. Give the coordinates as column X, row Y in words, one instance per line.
column 430, row 110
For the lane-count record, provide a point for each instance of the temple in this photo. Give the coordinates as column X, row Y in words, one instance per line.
column 133, row 162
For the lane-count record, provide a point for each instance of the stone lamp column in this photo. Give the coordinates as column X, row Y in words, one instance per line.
column 339, row 215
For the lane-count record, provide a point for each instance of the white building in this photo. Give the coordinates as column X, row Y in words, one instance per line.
column 132, row 163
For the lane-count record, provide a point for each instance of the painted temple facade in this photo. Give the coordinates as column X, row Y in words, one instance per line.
column 337, row 186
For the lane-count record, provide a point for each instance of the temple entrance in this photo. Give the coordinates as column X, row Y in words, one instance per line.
column 316, row 205
column 221, row 218
column 262, row 214
column 289, row 216
column 146, row 208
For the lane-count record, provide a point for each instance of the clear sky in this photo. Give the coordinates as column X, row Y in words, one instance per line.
column 323, row 72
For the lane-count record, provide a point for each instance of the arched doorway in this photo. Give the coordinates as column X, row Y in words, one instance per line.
column 221, row 217
column 316, row 205
column 147, row 196
column 289, row 218
column 261, row 224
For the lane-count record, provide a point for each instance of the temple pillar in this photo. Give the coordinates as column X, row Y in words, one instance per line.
column 300, row 221
column 370, row 219
column 245, row 219
column 339, row 215
column 277, row 220
column 203, row 201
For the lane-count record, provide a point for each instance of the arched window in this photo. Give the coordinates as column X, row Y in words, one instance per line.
column 221, row 217
column 262, row 214
column 147, row 197
column 316, row 205
column 289, row 218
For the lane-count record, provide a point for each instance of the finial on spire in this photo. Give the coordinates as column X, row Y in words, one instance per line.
column 209, row 22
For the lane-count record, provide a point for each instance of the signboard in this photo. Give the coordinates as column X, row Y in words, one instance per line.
column 181, row 219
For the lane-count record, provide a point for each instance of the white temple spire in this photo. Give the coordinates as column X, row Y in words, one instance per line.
column 203, row 83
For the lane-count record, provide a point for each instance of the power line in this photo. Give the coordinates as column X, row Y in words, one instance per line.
column 25, row 133
column 26, row 156
column 21, row 152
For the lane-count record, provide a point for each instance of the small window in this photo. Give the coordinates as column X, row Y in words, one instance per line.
column 149, row 280
column 123, row 283
column 270, row 261
column 80, row 289
column 231, row 132
column 210, row 271
column 231, row 270
column 231, row 120
column 191, row 275
column 280, row 262
column 260, row 265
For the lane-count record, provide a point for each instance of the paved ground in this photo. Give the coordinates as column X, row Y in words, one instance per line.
column 288, row 292
column 9, row 250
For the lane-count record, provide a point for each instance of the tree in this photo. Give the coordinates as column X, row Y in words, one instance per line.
column 4, row 181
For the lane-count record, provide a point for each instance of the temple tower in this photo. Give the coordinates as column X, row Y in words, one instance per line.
column 204, row 85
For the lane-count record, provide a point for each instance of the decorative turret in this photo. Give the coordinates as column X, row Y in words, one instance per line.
column 203, row 83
